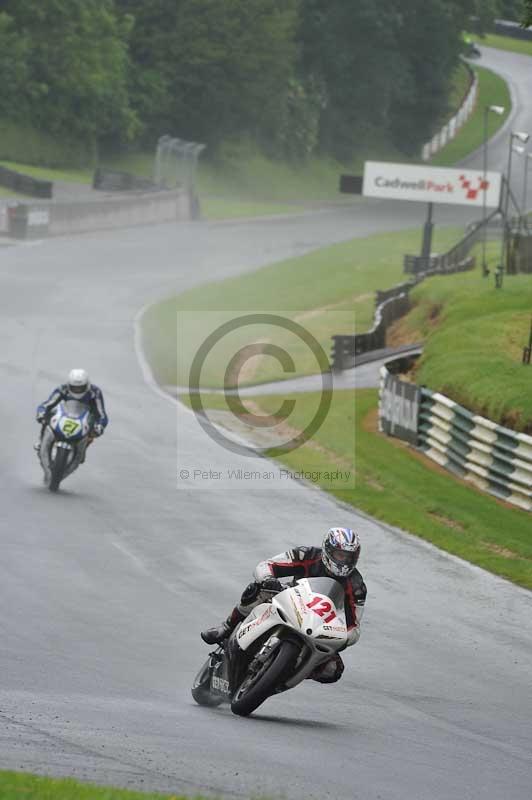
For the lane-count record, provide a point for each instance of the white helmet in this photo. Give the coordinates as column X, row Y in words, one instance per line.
column 78, row 382
column 341, row 549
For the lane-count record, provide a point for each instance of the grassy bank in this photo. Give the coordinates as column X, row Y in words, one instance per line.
column 24, row 786
column 327, row 291
column 401, row 487
column 522, row 46
column 475, row 336
column 492, row 90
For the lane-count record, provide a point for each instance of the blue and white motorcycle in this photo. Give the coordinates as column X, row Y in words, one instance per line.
column 64, row 441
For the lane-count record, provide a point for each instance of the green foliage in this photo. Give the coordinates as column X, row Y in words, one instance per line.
column 69, row 68
column 385, row 66
column 473, row 353
column 26, row 145
column 493, row 90
column 511, row 9
column 526, row 18
column 208, row 70
column 25, row 786
column 298, row 77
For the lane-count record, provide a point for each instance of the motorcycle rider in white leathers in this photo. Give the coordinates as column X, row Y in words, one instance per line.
column 337, row 559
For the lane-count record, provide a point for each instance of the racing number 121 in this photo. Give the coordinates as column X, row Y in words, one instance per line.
column 322, row 607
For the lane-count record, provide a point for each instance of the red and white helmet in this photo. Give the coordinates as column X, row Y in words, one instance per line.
column 78, row 382
column 341, row 549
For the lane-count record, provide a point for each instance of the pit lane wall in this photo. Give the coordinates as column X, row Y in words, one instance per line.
column 38, row 220
column 495, row 459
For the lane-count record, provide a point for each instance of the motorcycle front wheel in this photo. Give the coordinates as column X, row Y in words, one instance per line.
column 258, row 686
column 57, row 468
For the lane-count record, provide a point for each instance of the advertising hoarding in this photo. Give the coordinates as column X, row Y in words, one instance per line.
column 431, row 184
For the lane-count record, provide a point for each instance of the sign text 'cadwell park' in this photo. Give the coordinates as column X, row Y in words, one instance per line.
column 431, row 184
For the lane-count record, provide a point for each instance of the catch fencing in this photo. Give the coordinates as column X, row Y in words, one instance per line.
column 497, row 460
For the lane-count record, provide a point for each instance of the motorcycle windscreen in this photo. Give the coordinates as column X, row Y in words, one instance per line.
column 73, row 408
column 330, row 587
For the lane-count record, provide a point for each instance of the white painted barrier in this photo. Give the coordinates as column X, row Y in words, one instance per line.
column 451, row 128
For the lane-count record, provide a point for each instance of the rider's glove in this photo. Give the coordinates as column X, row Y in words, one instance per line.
column 97, row 429
column 271, row 585
column 40, row 417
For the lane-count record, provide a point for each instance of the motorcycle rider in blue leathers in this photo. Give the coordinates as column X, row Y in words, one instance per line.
column 77, row 388
column 337, row 558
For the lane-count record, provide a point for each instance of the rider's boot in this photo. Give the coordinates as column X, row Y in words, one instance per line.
column 84, row 456
column 221, row 632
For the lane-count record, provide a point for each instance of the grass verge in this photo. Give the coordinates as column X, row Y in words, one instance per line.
column 49, row 174
column 475, row 336
column 328, row 288
column 492, row 90
column 399, row 486
column 504, row 43
column 24, row 786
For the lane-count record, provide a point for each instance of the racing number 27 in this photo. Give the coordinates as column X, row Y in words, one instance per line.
column 322, row 607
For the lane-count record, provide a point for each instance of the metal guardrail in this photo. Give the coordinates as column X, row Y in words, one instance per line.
column 497, row 460
column 505, row 27
column 451, row 128
column 391, row 304
column 346, row 347
column 450, row 261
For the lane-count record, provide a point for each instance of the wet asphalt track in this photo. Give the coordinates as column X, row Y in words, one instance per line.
column 104, row 587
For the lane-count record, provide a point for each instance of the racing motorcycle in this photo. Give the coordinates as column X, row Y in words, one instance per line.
column 64, row 441
column 278, row 645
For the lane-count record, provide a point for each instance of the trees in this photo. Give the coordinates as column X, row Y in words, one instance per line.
column 69, row 68
column 386, row 67
column 527, row 14
column 14, row 51
column 208, row 70
column 294, row 75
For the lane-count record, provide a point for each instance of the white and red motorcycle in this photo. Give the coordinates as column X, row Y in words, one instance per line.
column 278, row 645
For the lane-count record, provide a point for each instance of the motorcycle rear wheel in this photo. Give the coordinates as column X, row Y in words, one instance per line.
column 252, row 692
column 58, row 468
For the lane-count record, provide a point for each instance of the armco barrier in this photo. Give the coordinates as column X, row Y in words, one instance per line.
column 346, row 347
column 451, row 128
column 391, row 304
column 25, row 184
column 506, row 28
column 495, row 459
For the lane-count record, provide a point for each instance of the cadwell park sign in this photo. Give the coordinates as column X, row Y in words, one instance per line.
column 431, row 184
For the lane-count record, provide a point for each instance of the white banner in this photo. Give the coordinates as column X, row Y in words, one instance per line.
column 431, row 184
